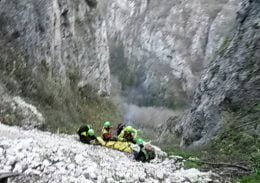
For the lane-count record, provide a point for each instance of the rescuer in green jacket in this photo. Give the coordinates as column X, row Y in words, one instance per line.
column 128, row 134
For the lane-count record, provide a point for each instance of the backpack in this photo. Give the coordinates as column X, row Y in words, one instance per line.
column 145, row 154
column 119, row 128
column 149, row 151
column 83, row 128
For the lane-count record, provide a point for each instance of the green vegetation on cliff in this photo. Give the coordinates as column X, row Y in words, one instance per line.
column 238, row 143
column 63, row 105
column 239, row 140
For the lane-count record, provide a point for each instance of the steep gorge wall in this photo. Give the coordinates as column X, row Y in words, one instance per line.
column 54, row 55
column 231, row 84
column 159, row 48
column 62, row 36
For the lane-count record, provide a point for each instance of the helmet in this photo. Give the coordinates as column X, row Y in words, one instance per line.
column 128, row 129
column 91, row 132
column 107, row 124
column 140, row 141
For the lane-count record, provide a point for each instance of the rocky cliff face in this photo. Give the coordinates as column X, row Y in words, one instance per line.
column 159, row 48
column 231, row 83
column 54, row 54
column 63, row 37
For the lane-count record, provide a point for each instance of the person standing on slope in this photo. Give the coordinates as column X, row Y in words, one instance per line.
column 128, row 134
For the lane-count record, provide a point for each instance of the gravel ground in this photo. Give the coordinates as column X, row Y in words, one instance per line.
column 44, row 157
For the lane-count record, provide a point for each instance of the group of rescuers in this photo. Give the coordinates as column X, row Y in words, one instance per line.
column 123, row 133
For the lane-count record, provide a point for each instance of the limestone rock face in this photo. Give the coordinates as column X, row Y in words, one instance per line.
column 65, row 37
column 15, row 111
column 230, row 83
column 163, row 45
column 53, row 54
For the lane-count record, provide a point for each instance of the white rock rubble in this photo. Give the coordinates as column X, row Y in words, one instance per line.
column 45, row 157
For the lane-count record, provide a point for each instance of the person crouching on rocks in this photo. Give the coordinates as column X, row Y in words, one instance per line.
column 82, row 131
column 128, row 134
column 87, row 135
column 145, row 152
column 106, row 131
column 91, row 137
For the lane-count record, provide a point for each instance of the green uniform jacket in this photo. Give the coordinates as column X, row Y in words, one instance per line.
column 122, row 135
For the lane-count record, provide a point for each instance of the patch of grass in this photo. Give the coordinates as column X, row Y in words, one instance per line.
column 255, row 178
column 192, row 158
column 180, row 152
column 192, row 164
column 67, row 107
column 224, row 45
column 240, row 138
column 239, row 141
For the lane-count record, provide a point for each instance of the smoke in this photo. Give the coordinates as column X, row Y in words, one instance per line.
column 146, row 119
